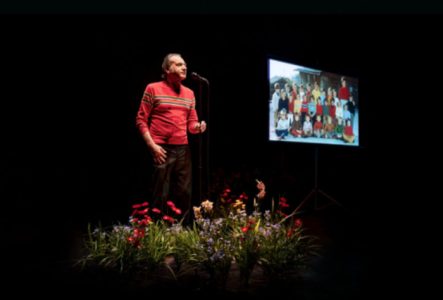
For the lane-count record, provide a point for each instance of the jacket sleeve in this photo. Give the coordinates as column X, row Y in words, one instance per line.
column 192, row 119
column 144, row 110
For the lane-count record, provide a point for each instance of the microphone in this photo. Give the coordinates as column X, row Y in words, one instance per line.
column 197, row 77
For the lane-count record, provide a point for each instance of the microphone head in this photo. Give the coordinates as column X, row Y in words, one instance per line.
column 197, row 77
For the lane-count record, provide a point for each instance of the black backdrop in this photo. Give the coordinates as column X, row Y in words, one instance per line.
column 73, row 85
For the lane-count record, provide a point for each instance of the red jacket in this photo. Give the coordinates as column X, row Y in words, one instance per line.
column 167, row 115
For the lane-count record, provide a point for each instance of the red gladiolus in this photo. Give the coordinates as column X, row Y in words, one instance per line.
column 168, row 218
column 298, row 222
column 178, row 211
column 170, row 204
column 143, row 222
column 140, row 205
column 156, row 210
column 139, row 233
column 143, row 212
column 284, row 204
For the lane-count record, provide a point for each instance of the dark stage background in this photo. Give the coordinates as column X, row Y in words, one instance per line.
column 72, row 84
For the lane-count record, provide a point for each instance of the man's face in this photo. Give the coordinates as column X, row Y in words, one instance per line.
column 177, row 69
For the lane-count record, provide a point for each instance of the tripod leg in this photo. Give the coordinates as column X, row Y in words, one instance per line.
column 305, row 200
column 330, row 198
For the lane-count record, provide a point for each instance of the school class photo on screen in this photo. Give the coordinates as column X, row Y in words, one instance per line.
column 307, row 105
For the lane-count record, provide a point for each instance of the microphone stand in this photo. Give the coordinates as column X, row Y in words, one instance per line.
column 201, row 182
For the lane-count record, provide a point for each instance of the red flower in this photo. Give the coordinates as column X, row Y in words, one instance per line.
column 298, row 222
column 156, row 210
column 168, row 218
column 170, row 204
column 178, row 211
column 244, row 196
column 143, row 212
column 138, row 233
column 284, row 204
column 140, row 205
column 136, row 206
column 143, row 222
column 245, row 229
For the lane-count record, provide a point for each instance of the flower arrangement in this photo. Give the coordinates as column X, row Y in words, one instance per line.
column 221, row 235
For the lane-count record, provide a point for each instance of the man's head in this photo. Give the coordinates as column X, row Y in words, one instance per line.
column 174, row 67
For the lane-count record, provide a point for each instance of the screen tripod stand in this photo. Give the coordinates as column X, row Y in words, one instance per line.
column 316, row 192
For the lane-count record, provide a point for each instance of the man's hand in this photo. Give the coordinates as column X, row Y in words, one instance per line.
column 261, row 187
column 201, row 126
column 158, row 154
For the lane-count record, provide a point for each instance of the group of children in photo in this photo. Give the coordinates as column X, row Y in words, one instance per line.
column 311, row 112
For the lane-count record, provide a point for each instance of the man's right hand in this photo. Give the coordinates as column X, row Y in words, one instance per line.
column 158, row 154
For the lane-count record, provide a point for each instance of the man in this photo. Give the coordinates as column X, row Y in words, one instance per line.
column 166, row 113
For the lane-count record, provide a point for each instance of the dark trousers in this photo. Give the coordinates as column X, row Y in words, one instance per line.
column 173, row 181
